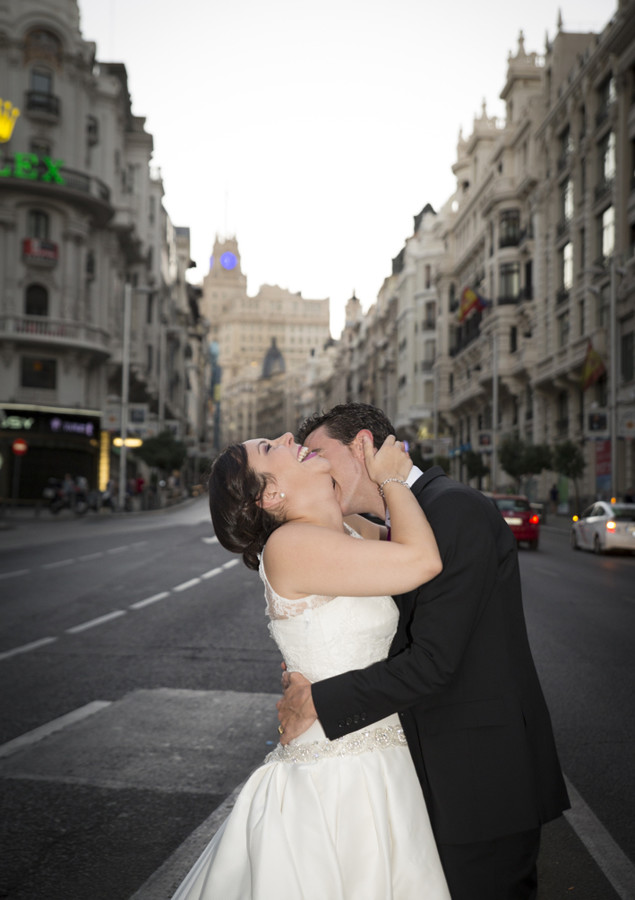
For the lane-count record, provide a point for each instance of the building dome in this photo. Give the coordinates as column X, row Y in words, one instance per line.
column 273, row 363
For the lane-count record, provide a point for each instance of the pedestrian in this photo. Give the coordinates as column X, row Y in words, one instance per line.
column 460, row 674
column 321, row 819
column 554, row 496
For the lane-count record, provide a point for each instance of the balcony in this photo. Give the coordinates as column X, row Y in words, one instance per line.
column 526, row 293
column 36, row 252
column 562, row 295
column 49, row 178
column 562, row 228
column 509, row 240
column 41, row 105
column 507, row 299
column 39, row 331
column 603, row 190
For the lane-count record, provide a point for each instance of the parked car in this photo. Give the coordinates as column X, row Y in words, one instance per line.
column 523, row 520
column 605, row 526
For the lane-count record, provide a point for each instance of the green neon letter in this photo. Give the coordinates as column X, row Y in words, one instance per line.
column 53, row 170
column 24, row 164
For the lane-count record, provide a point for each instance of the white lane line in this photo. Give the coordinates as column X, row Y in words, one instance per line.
column 212, row 540
column 116, row 549
column 212, row 572
column 187, row 584
column 138, row 544
column 99, row 621
column 148, row 600
column 90, row 556
column 230, row 564
column 58, row 564
column 32, row 737
column 617, row 867
column 15, row 573
column 26, row 647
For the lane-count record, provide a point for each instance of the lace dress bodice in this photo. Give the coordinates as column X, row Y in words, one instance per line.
column 324, row 636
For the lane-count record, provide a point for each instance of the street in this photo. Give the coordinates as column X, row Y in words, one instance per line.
column 139, row 686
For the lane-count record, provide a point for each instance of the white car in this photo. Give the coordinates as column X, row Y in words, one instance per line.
column 605, row 526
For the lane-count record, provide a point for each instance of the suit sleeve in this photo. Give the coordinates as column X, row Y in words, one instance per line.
column 444, row 614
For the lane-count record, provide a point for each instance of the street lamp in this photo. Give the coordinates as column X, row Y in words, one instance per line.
column 125, row 378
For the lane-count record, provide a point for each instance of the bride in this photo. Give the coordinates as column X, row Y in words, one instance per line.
column 342, row 819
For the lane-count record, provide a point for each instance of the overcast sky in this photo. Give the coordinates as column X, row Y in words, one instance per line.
column 315, row 131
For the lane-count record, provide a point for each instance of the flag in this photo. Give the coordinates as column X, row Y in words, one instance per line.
column 593, row 367
column 470, row 300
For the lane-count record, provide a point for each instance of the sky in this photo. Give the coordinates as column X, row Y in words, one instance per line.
column 311, row 131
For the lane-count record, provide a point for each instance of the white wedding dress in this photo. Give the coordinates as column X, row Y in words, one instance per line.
column 320, row 819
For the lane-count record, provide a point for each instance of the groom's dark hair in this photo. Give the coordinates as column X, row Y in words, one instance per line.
column 346, row 420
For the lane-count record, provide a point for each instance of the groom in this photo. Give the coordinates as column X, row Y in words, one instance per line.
column 460, row 674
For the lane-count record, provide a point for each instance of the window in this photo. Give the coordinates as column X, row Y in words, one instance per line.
column 43, row 45
column 607, row 158
column 38, row 224
column 38, row 372
column 92, row 130
column 41, row 81
column 428, row 276
column 40, row 146
column 607, row 232
column 582, row 248
column 36, row 300
column 563, row 329
column 566, row 266
column 509, row 228
column 627, row 356
column 513, row 339
column 566, row 147
column 566, row 200
column 509, row 288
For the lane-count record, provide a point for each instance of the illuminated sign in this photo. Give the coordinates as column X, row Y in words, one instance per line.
column 8, row 117
column 61, row 424
column 30, row 167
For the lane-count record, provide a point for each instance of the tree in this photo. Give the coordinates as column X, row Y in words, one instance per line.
column 162, row 452
column 568, row 460
column 520, row 460
column 476, row 468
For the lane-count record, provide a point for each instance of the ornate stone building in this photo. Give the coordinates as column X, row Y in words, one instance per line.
column 81, row 216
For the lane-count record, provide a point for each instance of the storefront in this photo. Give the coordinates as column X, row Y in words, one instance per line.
column 59, row 441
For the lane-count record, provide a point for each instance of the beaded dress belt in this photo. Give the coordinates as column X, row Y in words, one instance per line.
column 349, row 745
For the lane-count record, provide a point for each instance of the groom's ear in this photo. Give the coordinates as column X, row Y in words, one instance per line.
column 356, row 445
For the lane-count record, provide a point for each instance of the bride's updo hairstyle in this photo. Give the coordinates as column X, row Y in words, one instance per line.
column 240, row 523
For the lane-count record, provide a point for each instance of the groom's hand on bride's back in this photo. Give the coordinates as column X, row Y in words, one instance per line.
column 296, row 711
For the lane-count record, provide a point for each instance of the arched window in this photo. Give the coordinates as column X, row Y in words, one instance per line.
column 38, row 224
column 36, row 300
column 42, row 44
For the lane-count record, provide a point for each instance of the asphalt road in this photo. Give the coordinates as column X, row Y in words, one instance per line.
column 138, row 686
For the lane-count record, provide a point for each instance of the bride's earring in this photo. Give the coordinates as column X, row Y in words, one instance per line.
column 282, row 495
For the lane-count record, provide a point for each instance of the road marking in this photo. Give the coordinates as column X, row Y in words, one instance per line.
column 116, row 549
column 26, row 647
column 187, row 584
column 14, row 574
column 212, row 572
column 58, row 564
column 32, row 737
column 617, row 867
column 212, row 540
column 148, row 600
column 91, row 556
column 99, row 621
column 228, row 565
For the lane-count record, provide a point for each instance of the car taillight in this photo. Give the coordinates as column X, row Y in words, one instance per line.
column 534, row 520
column 611, row 525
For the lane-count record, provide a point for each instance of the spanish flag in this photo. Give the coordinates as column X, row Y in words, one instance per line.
column 593, row 367
column 470, row 300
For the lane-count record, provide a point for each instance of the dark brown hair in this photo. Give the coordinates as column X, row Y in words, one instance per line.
column 346, row 420
column 240, row 523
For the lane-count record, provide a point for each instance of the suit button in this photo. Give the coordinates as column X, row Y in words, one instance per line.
column 363, row 717
column 355, row 719
column 349, row 721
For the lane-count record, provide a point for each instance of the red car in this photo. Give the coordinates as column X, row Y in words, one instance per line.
column 519, row 515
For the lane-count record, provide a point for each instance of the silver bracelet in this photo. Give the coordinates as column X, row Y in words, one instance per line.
column 380, row 487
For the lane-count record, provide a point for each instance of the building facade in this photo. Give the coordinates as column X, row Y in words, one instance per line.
column 81, row 216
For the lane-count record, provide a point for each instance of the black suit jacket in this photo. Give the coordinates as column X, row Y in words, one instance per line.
column 462, row 677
